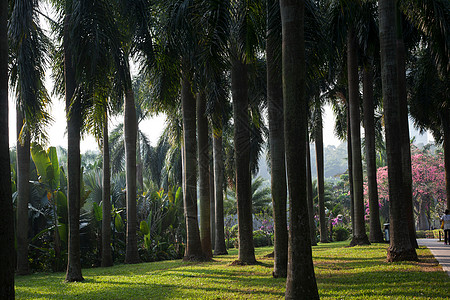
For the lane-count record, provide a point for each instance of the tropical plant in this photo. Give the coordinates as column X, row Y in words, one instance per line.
column 29, row 47
column 261, row 198
column 161, row 227
column 53, row 183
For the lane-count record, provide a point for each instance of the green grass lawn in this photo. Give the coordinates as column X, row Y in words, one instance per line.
column 341, row 272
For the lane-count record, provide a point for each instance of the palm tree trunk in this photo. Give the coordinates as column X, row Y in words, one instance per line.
column 23, row 193
column 130, row 135
column 73, row 112
column 219, row 246
column 203, row 170
column 400, row 247
column 309, row 189
column 239, row 89
column 276, row 137
column 406, row 142
column 320, row 181
column 212, row 204
column 350, row 170
column 139, row 166
column 107, row 260
column 193, row 244
column 376, row 236
column 446, row 146
column 422, row 217
column 359, row 235
column 301, row 281
column 7, row 220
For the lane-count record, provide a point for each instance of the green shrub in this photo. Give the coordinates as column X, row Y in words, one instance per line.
column 261, row 239
column 232, row 243
column 340, row 233
column 421, row 234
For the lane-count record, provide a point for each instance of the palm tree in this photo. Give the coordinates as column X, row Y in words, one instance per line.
column 243, row 38
column 376, row 235
column 309, row 189
column 91, row 47
column 193, row 246
column 182, row 38
column 130, row 137
column 203, row 175
column 98, row 119
column 29, row 46
column 219, row 246
column 276, row 137
column 400, row 245
column 404, row 123
column 74, row 121
column 300, row 283
column 318, row 139
column 242, row 160
column 368, row 34
column 7, row 222
column 340, row 13
column 359, row 235
column 139, row 39
column 107, row 259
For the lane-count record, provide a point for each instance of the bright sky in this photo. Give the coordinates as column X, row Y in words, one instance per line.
column 152, row 127
column 57, row 130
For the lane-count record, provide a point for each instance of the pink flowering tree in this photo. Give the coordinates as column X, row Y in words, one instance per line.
column 428, row 178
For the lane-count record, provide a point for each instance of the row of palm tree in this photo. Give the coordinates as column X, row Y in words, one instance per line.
column 187, row 49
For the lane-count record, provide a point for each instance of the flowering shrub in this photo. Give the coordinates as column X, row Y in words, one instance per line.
column 428, row 181
column 340, row 233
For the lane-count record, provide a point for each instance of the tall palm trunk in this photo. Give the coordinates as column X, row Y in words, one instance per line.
column 7, row 220
column 23, row 193
column 219, row 246
column 400, row 247
column 276, row 137
column 376, row 236
column 130, row 135
column 139, row 165
column 239, row 89
column 446, row 129
column 406, row 142
column 300, row 282
column 309, row 189
column 193, row 244
column 359, row 235
column 203, row 176
column 350, row 170
column 212, row 203
column 107, row 260
column 320, row 180
column 73, row 112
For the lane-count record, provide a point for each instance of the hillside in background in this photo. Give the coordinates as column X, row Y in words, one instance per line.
column 335, row 162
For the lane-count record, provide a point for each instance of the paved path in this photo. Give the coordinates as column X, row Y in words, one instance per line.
column 440, row 251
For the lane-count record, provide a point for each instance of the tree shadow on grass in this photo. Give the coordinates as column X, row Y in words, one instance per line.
column 387, row 284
